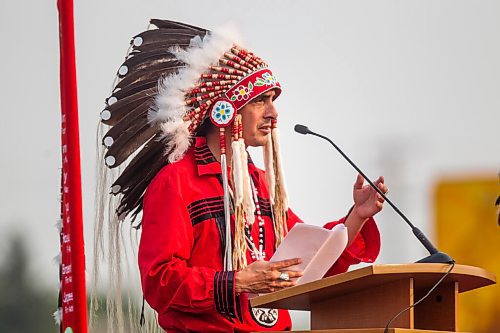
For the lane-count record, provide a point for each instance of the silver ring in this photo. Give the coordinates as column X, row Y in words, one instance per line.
column 284, row 276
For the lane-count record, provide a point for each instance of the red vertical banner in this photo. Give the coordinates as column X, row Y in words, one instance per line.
column 72, row 274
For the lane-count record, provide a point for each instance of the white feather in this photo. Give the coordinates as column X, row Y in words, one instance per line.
column 181, row 138
column 169, row 108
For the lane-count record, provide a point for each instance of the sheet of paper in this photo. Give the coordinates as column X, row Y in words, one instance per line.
column 318, row 247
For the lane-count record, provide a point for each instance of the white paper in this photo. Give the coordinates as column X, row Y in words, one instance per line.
column 319, row 249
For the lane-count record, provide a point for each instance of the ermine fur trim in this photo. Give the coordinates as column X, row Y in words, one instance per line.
column 279, row 166
column 269, row 167
column 237, row 173
column 248, row 203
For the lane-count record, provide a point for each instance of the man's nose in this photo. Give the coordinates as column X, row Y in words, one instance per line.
column 271, row 111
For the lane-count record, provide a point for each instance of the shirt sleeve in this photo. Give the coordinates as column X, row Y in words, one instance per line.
column 292, row 219
column 364, row 248
column 168, row 282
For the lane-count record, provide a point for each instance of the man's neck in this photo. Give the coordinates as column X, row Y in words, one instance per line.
column 213, row 143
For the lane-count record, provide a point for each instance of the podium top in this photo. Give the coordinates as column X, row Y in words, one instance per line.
column 425, row 275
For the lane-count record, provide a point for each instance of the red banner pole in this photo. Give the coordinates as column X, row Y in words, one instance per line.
column 73, row 289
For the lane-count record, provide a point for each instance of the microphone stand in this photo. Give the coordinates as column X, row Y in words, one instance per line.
column 435, row 256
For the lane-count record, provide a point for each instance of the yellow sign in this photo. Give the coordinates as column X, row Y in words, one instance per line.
column 467, row 229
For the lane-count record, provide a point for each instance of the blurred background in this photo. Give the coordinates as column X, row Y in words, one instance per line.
column 410, row 90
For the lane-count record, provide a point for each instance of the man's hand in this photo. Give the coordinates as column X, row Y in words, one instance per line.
column 264, row 277
column 367, row 202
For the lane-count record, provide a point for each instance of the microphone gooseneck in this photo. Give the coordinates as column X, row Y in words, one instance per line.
column 435, row 255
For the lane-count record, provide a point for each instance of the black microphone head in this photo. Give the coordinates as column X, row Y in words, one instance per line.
column 301, row 129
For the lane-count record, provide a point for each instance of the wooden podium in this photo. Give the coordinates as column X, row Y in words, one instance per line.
column 364, row 300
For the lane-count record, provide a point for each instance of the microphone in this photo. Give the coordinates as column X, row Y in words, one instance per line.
column 302, row 129
column 435, row 255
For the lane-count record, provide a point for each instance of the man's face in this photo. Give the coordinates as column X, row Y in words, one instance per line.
column 256, row 119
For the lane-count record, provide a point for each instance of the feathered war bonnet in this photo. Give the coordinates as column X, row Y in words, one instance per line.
column 174, row 78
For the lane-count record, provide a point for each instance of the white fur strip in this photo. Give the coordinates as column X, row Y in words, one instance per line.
column 269, row 167
column 248, row 204
column 237, row 173
column 276, row 140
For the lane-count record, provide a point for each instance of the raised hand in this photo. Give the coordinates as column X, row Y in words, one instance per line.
column 367, row 202
column 264, row 277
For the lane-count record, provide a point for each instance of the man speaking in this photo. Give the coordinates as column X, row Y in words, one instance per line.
column 186, row 105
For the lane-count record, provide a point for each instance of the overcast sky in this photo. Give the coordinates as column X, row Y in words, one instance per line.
column 409, row 89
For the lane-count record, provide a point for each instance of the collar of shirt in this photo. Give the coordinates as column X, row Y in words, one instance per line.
column 205, row 160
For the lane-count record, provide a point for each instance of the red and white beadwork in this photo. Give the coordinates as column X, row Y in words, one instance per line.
column 252, row 86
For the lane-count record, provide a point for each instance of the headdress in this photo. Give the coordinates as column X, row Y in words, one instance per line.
column 174, row 78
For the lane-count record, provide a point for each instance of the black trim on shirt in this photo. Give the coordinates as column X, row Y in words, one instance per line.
column 224, row 293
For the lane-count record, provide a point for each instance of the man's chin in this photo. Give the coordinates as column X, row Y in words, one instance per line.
column 257, row 142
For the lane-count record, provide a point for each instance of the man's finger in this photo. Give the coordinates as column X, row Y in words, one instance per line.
column 383, row 188
column 381, row 185
column 294, row 274
column 379, row 180
column 359, row 182
column 285, row 263
column 286, row 284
